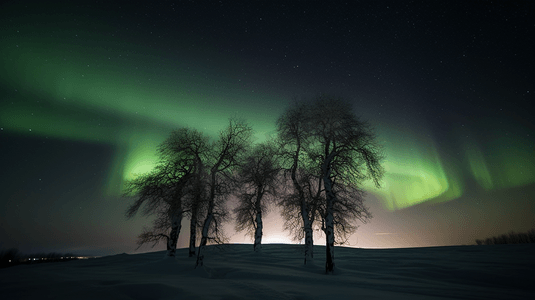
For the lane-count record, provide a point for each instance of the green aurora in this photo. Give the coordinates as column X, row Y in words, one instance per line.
column 77, row 91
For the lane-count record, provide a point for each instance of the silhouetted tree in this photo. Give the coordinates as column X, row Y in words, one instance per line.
column 511, row 238
column 301, row 199
column 154, row 191
column 225, row 156
column 346, row 149
column 167, row 185
column 194, row 147
column 331, row 152
column 258, row 183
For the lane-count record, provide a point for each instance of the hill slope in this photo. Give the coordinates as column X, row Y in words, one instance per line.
column 235, row 272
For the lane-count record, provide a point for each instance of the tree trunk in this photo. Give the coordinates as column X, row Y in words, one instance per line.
column 305, row 214
column 205, row 230
column 192, row 233
column 209, row 216
column 309, row 242
column 330, row 198
column 329, row 224
column 206, row 225
column 167, row 243
column 258, row 232
column 258, row 220
column 176, row 225
column 195, row 207
column 307, row 226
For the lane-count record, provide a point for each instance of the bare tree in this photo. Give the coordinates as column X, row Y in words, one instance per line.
column 167, row 185
column 258, row 182
column 225, row 156
column 194, row 147
column 346, row 149
column 154, row 191
column 301, row 200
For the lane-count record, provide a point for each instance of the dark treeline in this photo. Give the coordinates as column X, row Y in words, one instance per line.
column 510, row 238
column 13, row 256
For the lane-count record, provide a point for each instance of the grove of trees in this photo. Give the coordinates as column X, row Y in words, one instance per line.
column 312, row 170
column 510, row 238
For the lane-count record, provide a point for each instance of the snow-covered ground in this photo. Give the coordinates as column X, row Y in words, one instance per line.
column 235, row 272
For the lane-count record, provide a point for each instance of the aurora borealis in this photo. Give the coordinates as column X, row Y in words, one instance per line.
column 90, row 90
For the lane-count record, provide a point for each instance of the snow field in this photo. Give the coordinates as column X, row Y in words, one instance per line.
column 236, row 272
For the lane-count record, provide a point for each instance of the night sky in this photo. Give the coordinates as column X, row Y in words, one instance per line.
column 89, row 91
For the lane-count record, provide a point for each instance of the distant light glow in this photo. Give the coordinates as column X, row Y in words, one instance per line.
column 277, row 238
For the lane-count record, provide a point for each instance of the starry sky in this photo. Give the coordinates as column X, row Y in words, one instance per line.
column 88, row 91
